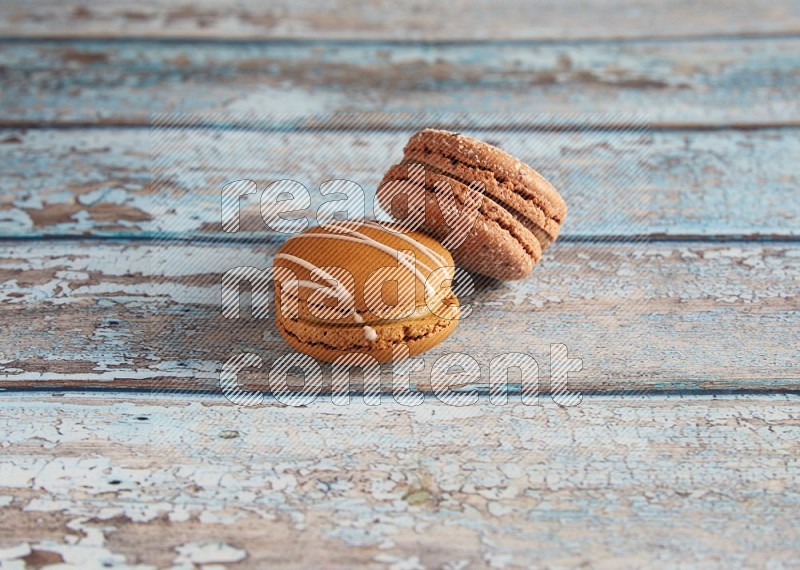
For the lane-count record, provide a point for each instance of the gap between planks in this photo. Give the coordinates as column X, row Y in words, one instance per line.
column 10, row 38
column 384, row 127
column 144, row 238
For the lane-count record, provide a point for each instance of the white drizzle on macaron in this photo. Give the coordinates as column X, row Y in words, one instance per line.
column 341, row 293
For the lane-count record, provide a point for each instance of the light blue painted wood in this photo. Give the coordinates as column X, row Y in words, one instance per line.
column 399, row 20
column 683, row 317
column 357, row 486
column 678, row 183
column 643, row 317
column 704, row 82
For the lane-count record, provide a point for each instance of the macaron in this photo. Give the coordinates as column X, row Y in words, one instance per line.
column 518, row 212
column 363, row 288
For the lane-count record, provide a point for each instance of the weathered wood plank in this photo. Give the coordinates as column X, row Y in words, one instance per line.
column 674, row 482
column 685, row 183
column 642, row 317
column 400, row 20
column 738, row 81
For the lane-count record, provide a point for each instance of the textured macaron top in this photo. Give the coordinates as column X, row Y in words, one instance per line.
column 359, row 274
column 506, row 179
column 518, row 212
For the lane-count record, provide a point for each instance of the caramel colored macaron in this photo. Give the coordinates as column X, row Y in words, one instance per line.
column 519, row 212
column 345, row 289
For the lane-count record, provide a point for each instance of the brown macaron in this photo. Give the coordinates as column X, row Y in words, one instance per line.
column 519, row 213
column 363, row 289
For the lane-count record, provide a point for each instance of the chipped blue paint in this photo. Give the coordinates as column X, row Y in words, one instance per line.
column 672, row 81
column 670, row 183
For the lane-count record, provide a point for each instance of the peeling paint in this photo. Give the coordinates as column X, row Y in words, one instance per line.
column 132, row 315
column 686, row 183
column 379, row 482
column 208, row 552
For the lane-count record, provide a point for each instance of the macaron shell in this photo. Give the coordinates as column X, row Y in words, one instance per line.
column 509, row 181
column 497, row 244
column 326, row 248
column 347, row 323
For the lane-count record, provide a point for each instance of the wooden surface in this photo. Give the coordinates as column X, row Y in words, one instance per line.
column 96, row 181
column 683, row 481
column 676, row 281
column 385, row 19
column 738, row 81
column 660, row 317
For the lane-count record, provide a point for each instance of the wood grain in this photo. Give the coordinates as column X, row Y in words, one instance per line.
column 672, row 83
column 398, row 20
column 643, row 317
column 98, row 181
column 180, row 477
column 678, row 482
